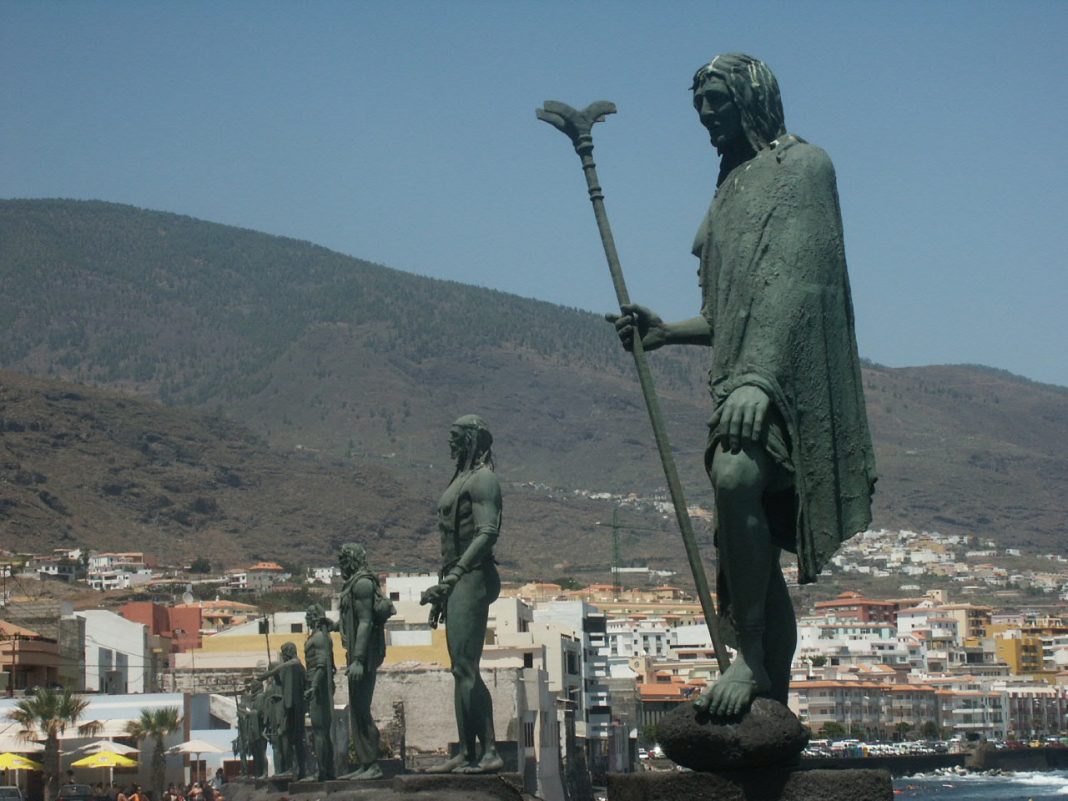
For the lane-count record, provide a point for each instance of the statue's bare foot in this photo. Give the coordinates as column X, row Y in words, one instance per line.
column 355, row 775
column 735, row 690
column 490, row 763
column 448, row 766
column 369, row 772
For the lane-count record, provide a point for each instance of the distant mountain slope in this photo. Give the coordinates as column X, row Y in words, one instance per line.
column 353, row 361
column 88, row 466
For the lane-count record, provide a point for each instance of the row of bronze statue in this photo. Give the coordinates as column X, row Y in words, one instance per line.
column 273, row 708
column 788, row 450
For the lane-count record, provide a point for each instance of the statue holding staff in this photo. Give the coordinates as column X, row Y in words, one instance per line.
column 789, row 453
column 287, row 712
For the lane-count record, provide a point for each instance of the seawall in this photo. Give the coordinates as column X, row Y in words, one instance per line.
column 983, row 758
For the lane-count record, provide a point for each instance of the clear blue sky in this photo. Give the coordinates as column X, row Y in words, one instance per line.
column 404, row 133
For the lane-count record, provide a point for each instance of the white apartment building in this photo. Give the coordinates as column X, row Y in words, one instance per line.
column 118, row 579
column 637, row 636
column 594, row 714
column 851, row 642
column 119, row 560
column 118, row 658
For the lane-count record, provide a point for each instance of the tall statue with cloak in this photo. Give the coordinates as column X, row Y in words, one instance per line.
column 789, row 453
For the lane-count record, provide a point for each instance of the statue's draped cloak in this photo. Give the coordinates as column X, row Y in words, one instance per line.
column 776, row 295
column 350, row 623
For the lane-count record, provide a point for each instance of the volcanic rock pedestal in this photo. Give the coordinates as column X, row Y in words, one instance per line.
column 751, row 758
column 768, row 734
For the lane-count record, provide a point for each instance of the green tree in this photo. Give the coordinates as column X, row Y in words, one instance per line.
column 47, row 714
column 155, row 724
column 832, row 730
column 819, row 660
column 929, row 730
column 902, row 729
column 200, row 565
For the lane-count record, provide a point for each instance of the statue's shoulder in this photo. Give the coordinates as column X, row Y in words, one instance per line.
column 482, row 483
column 364, row 586
column 801, row 157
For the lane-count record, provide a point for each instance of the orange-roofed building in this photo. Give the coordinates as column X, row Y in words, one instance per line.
column 853, row 606
column 220, row 613
column 26, row 658
column 665, row 693
column 181, row 624
column 536, row 591
column 264, row 575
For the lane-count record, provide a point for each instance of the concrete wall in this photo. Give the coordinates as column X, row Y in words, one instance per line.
column 427, row 693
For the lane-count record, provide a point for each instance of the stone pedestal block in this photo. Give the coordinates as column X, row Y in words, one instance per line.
column 495, row 786
column 753, row 785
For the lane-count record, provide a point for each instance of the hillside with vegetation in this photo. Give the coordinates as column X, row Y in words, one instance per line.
column 328, row 367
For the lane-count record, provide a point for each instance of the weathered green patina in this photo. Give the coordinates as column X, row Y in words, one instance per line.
column 286, row 712
column 364, row 612
column 469, row 520
column 319, row 695
column 789, row 453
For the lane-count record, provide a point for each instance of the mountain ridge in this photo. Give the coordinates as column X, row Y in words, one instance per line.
column 338, row 360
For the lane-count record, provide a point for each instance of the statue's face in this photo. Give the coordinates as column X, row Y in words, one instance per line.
column 717, row 111
column 457, row 443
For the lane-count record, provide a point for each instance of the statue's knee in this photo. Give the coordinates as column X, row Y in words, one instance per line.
column 462, row 672
column 736, row 474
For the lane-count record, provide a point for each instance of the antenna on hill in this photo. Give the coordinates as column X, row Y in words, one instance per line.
column 617, row 562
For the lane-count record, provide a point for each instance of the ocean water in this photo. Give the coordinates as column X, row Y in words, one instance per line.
column 1022, row 786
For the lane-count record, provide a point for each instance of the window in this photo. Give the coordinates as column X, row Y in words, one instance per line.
column 394, row 596
column 528, row 660
column 296, row 628
column 595, row 625
column 528, row 733
column 572, row 664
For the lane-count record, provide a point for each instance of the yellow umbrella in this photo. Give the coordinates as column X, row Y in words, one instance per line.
column 105, row 759
column 18, row 762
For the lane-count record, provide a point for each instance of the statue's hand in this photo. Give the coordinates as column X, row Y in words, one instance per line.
column 651, row 328
column 436, row 595
column 356, row 671
column 742, row 416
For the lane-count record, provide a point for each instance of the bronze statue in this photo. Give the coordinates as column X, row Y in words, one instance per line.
column 364, row 612
column 286, row 707
column 252, row 723
column 469, row 519
column 319, row 695
column 789, row 454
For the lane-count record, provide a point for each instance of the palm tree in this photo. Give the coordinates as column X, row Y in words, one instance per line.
column 48, row 713
column 155, row 724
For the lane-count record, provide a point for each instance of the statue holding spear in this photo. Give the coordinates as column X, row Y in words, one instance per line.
column 788, row 453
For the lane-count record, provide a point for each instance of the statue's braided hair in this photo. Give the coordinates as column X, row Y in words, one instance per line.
column 479, row 442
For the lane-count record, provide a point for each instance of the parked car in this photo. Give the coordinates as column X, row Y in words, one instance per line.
column 9, row 792
column 75, row 792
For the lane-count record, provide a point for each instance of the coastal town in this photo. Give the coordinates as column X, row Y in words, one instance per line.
column 972, row 646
